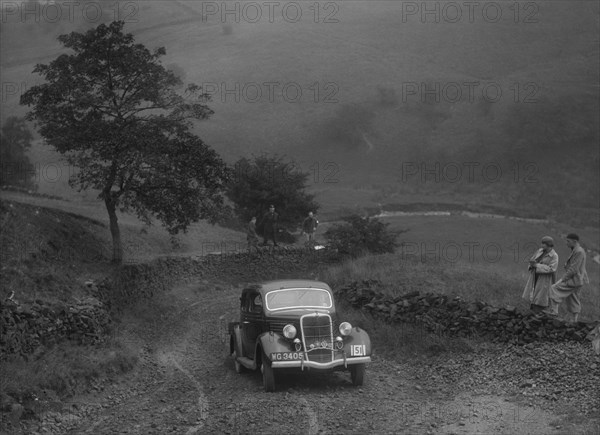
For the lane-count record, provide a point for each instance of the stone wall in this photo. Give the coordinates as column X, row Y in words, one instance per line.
column 454, row 317
column 23, row 329
column 132, row 282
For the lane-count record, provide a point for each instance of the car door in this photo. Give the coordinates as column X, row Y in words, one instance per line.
column 252, row 320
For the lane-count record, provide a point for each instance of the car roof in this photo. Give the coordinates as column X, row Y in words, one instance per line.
column 267, row 286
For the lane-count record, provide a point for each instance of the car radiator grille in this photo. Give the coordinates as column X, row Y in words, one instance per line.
column 317, row 337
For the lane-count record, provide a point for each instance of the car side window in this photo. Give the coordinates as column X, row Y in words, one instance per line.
column 244, row 302
column 256, row 306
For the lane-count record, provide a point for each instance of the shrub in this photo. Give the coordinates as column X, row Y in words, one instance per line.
column 270, row 179
column 361, row 235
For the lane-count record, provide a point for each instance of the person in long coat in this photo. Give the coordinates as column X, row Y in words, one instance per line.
column 269, row 224
column 309, row 227
column 568, row 288
column 542, row 274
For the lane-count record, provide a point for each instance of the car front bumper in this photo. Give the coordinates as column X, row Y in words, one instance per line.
column 317, row 365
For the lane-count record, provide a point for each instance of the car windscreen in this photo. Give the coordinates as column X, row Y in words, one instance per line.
column 298, row 298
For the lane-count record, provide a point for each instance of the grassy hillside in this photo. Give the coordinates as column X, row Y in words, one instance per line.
column 40, row 234
column 50, row 249
column 48, row 254
column 475, row 258
column 366, row 118
column 47, row 257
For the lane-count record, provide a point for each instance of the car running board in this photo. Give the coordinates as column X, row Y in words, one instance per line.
column 247, row 362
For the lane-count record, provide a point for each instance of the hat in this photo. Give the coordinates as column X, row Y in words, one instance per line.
column 548, row 240
column 573, row 236
column 271, row 206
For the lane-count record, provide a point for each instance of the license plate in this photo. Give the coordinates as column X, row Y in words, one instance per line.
column 287, row 356
column 358, row 350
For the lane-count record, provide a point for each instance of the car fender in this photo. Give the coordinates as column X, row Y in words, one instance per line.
column 236, row 339
column 272, row 342
column 357, row 337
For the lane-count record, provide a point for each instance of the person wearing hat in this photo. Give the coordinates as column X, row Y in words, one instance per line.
column 269, row 224
column 542, row 274
column 567, row 288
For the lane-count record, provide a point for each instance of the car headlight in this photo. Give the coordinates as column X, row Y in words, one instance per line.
column 289, row 331
column 345, row 328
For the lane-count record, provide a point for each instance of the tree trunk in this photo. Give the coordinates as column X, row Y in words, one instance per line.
column 114, row 230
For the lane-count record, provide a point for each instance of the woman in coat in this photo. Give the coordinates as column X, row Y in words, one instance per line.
column 542, row 274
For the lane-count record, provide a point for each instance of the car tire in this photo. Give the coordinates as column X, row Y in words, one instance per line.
column 357, row 374
column 268, row 374
column 239, row 368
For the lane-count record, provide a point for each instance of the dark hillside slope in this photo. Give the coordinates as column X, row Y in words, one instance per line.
column 48, row 254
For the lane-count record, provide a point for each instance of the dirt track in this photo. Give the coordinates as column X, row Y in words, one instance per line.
column 185, row 383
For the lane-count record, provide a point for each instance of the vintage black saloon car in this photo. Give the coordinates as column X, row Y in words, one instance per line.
column 292, row 324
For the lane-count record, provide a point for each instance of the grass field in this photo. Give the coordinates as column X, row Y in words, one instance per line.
column 474, row 258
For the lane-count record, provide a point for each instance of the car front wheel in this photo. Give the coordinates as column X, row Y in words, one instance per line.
column 268, row 374
column 357, row 374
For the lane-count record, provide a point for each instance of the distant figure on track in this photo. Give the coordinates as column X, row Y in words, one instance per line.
column 251, row 236
column 309, row 227
column 269, row 223
column 542, row 274
column 567, row 288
